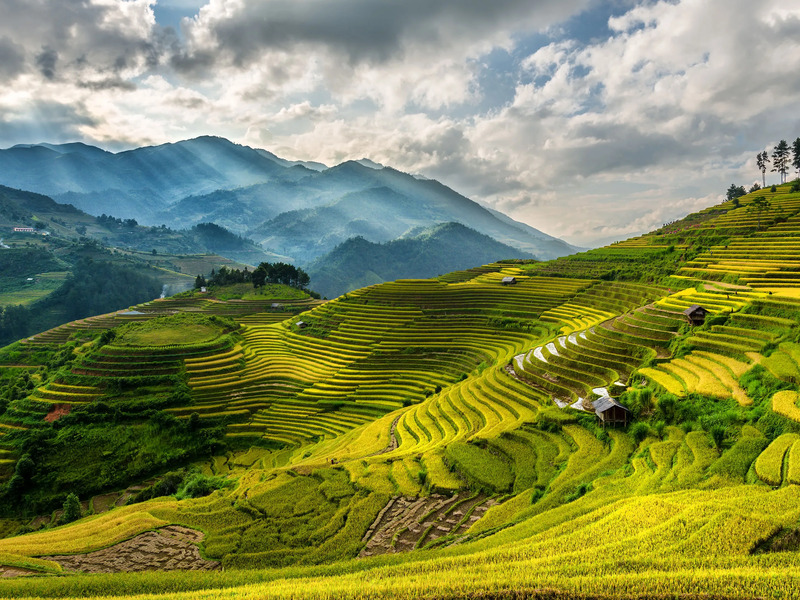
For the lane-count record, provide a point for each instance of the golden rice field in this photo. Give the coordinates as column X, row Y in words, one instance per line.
column 424, row 389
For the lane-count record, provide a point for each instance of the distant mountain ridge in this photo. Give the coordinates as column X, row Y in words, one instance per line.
column 298, row 210
column 427, row 252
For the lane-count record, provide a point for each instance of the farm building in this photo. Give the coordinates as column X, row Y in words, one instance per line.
column 610, row 412
column 509, row 280
column 301, row 324
column 696, row 315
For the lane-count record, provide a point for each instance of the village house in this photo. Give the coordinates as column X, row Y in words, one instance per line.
column 696, row 315
column 509, row 280
column 610, row 412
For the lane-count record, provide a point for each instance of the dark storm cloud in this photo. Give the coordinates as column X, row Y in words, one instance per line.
column 367, row 30
column 46, row 62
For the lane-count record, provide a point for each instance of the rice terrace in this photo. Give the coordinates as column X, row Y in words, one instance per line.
column 618, row 423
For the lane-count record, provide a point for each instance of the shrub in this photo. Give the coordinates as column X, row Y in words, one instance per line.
column 198, row 485
column 639, row 431
column 72, row 510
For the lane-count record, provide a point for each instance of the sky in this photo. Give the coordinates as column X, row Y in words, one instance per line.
column 592, row 120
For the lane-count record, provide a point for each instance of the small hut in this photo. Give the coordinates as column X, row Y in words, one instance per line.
column 301, row 324
column 611, row 412
column 696, row 315
column 509, row 281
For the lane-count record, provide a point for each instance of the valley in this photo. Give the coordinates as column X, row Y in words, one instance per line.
column 439, row 438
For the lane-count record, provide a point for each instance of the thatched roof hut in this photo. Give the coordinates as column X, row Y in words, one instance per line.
column 696, row 315
column 611, row 412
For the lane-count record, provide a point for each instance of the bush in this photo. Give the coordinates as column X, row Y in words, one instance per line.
column 639, row 431
column 72, row 510
column 198, row 485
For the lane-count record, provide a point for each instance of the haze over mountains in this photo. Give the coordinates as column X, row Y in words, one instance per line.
column 298, row 212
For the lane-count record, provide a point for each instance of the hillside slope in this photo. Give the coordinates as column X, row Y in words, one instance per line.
column 73, row 265
column 435, row 438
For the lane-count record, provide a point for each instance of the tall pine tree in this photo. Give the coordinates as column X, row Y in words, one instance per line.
column 762, row 160
column 780, row 159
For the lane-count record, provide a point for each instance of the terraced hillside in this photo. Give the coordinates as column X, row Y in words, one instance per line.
column 429, row 438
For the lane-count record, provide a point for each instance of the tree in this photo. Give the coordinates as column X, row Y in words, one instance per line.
column 780, row 159
column 759, row 205
column 259, row 276
column 762, row 160
column 796, row 156
column 199, row 282
column 72, row 510
column 735, row 191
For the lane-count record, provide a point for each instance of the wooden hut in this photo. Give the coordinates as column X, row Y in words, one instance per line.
column 301, row 324
column 509, row 281
column 696, row 315
column 611, row 412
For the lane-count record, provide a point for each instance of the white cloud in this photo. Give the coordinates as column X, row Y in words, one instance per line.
column 596, row 139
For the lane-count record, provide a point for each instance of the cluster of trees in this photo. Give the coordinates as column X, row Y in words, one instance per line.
column 780, row 160
column 115, row 223
column 280, row 273
column 783, row 156
column 224, row 276
column 263, row 274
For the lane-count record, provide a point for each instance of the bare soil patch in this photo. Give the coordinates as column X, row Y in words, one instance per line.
column 408, row 523
column 57, row 411
column 171, row 548
column 104, row 502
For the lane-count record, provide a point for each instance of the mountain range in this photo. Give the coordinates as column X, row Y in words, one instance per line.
column 297, row 211
column 427, row 252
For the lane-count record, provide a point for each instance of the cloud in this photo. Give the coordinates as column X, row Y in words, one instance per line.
column 12, row 59
column 46, row 62
column 361, row 30
column 588, row 137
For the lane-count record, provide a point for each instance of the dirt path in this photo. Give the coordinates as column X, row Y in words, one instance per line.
column 408, row 523
column 392, row 445
column 170, row 548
